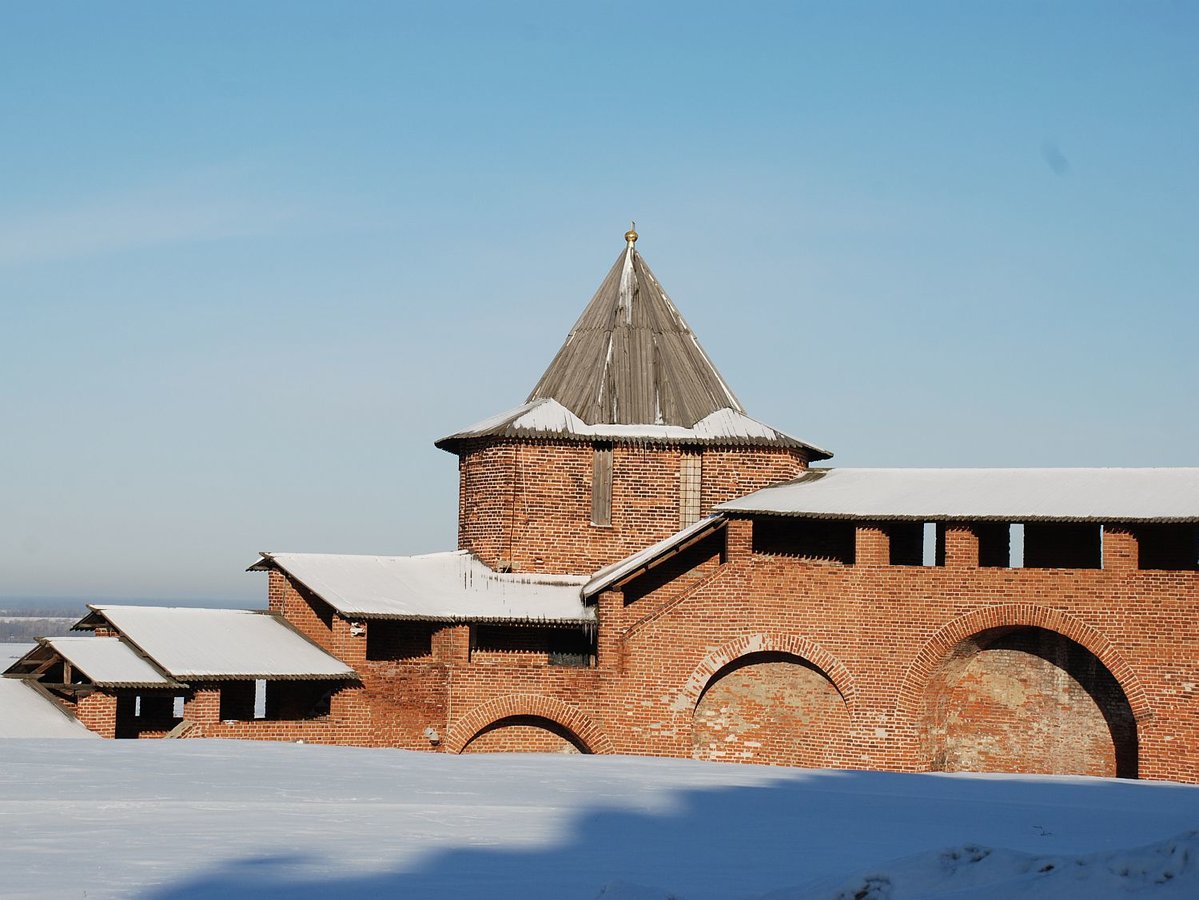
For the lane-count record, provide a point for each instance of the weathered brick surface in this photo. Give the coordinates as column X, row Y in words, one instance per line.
column 1027, row 700
column 770, row 708
column 527, row 505
column 98, row 711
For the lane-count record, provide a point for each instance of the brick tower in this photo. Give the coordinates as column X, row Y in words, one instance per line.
column 630, row 435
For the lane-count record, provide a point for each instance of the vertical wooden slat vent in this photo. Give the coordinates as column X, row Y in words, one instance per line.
column 690, row 478
column 601, row 486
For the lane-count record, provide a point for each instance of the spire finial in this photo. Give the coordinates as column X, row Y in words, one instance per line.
column 631, row 234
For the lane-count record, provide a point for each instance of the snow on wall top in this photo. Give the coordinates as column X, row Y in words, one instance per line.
column 221, row 643
column 452, row 586
column 25, row 713
column 550, row 419
column 621, row 569
column 108, row 661
column 1017, row 495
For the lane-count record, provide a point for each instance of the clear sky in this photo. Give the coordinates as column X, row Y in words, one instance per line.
column 256, row 258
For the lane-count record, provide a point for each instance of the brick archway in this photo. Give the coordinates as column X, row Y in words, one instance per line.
column 767, row 642
column 920, row 672
column 527, row 705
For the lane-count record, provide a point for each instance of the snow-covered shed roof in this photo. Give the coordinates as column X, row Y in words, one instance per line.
column 1013, row 495
column 219, row 644
column 649, row 557
column 441, row 587
column 631, row 369
column 548, row 419
column 108, row 661
column 26, row 712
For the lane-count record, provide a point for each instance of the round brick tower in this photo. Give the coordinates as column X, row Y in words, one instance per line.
column 630, row 435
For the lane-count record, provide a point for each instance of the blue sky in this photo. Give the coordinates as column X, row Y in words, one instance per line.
column 253, row 261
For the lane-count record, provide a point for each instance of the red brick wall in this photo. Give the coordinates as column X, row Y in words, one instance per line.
column 908, row 667
column 527, row 505
column 771, row 708
column 98, row 711
column 1027, row 700
column 892, row 629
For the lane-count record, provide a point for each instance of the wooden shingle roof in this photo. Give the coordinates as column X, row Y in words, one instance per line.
column 631, row 358
column 631, row 370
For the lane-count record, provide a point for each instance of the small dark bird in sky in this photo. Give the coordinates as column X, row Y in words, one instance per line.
column 1054, row 158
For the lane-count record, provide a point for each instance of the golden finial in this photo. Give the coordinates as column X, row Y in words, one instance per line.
column 631, row 234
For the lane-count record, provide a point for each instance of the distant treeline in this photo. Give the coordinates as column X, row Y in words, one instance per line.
column 24, row 628
column 47, row 607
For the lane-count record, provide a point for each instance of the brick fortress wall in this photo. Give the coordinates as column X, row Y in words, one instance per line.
column 731, row 653
column 780, row 659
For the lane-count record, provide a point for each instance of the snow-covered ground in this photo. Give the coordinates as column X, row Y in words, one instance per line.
column 223, row 819
column 25, row 713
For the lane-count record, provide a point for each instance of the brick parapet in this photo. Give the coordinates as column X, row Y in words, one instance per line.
column 872, row 546
column 961, row 546
column 1120, row 548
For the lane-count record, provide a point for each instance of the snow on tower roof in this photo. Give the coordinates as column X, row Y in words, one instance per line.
column 632, row 369
column 219, row 644
column 440, row 587
column 1013, row 495
column 546, row 419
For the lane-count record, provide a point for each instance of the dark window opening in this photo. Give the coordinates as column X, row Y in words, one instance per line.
column 907, row 543
column 155, row 707
column 994, row 544
column 558, row 646
column 237, row 701
column 398, row 640
column 1062, row 545
column 291, row 700
column 571, row 647
column 816, row 540
column 1171, row 547
column 601, row 486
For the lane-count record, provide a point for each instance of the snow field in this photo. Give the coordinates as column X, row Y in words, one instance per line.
column 209, row 819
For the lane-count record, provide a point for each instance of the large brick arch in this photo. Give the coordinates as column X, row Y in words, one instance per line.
column 569, row 717
column 911, row 693
column 767, row 642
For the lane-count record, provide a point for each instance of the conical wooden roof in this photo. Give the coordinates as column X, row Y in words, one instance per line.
column 631, row 358
column 631, row 370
